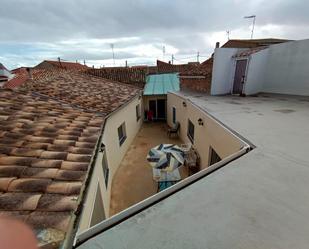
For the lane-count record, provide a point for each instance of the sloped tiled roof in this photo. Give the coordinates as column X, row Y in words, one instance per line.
column 202, row 69
column 248, row 52
column 45, row 152
column 252, row 43
column 49, row 128
column 65, row 65
column 21, row 76
column 191, row 68
column 83, row 91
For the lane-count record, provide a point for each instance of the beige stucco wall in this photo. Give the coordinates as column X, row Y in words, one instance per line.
column 211, row 133
column 114, row 153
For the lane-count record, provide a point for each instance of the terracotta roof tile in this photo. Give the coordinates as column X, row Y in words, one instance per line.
column 20, row 215
column 26, row 152
column 78, row 157
column 54, row 155
column 14, row 160
column 64, row 142
column 42, row 146
column 43, row 220
column 64, row 187
column 74, row 166
column 39, row 173
column 9, row 171
column 84, row 144
column 43, row 163
column 70, row 175
column 29, row 185
column 19, row 201
column 56, row 202
column 5, row 182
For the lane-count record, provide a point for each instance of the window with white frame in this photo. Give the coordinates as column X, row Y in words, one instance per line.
column 190, row 131
column 122, row 133
column 174, row 115
column 105, row 168
column 138, row 112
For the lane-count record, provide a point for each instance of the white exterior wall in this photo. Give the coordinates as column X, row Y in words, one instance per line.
column 287, row 68
column 223, row 71
column 282, row 68
column 255, row 73
column 114, row 153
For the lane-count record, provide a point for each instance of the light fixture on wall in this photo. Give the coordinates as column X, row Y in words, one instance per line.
column 102, row 147
column 200, row 122
column 140, row 96
column 184, row 104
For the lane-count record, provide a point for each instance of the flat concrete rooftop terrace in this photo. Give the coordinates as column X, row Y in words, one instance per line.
column 260, row 200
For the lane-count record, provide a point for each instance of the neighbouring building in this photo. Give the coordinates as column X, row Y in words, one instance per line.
column 61, row 140
column 252, row 43
column 60, row 64
column 155, row 93
column 193, row 76
column 197, row 78
column 5, row 75
column 279, row 68
column 131, row 75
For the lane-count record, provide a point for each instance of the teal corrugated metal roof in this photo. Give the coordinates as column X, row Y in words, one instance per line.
column 158, row 84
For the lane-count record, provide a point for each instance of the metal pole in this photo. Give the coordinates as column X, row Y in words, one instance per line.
column 112, row 46
column 253, row 27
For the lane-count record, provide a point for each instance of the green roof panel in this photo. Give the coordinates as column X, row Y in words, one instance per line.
column 158, row 84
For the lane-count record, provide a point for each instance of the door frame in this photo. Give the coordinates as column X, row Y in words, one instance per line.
column 165, row 109
column 233, row 74
column 155, row 115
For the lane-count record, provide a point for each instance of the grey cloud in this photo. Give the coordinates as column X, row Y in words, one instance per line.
column 35, row 20
column 182, row 24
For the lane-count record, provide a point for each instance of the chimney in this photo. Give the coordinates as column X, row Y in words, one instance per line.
column 217, row 44
column 29, row 73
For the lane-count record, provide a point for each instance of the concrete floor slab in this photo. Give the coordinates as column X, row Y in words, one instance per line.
column 133, row 181
column 260, row 200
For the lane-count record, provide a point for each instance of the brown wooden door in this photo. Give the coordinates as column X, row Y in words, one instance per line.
column 240, row 74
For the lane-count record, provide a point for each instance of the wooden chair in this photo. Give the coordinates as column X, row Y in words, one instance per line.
column 192, row 161
column 174, row 129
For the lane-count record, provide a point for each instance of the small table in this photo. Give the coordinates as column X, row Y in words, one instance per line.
column 165, row 179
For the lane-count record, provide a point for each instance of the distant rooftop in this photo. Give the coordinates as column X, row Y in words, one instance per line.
column 252, row 43
column 159, row 84
column 83, row 91
column 47, row 64
column 259, row 200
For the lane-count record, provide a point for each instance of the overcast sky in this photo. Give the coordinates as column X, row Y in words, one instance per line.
column 34, row 30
